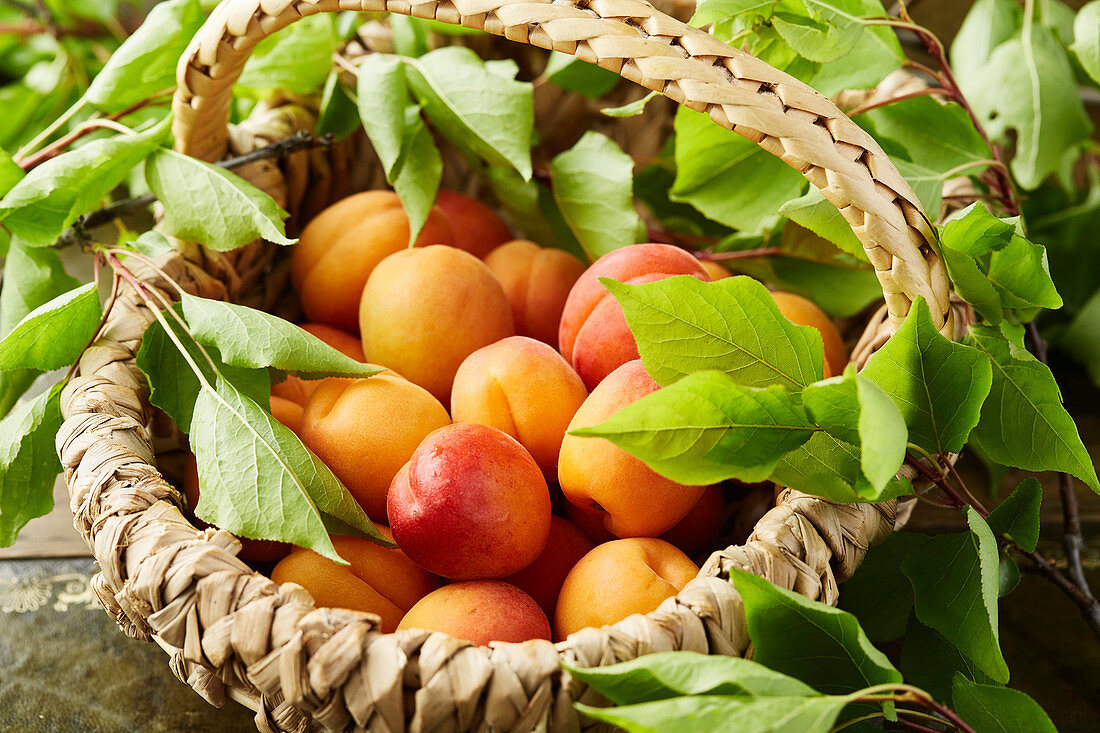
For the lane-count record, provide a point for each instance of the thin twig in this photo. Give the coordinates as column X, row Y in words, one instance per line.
column 927, row 91
column 1072, row 538
column 299, row 141
column 743, row 254
column 56, row 147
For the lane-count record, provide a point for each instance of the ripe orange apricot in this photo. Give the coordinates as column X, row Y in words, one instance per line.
column 476, row 228
column 366, row 429
column 263, row 551
column 524, row 388
column 805, row 312
column 593, row 335
column 595, row 474
column 479, row 611
column 297, row 389
column 618, row 579
column 424, row 310
column 589, row 521
column 470, row 504
column 543, row 578
column 379, row 580
column 287, row 412
column 342, row 245
column 537, row 282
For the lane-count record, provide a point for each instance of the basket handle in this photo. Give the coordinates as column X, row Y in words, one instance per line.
column 741, row 93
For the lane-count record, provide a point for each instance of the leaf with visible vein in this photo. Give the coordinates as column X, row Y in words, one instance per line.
column 593, row 185
column 1086, row 39
column 257, row 480
column 938, row 384
column 994, row 709
column 251, row 339
column 820, row 645
column 718, row 714
column 1023, row 422
column 683, row 325
column 1017, row 516
column 54, row 334
column 955, row 585
column 707, row 428
column 28, row 462
column 671, row 674
column 210, row 205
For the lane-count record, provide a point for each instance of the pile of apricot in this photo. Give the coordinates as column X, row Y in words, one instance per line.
column 509, row 528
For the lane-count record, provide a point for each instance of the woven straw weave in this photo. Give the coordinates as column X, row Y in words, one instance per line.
column 233, row 633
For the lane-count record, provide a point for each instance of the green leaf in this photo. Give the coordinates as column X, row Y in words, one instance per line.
column 10, row 172
column 32, row 277
column 813, row 212
column 965, row 241
column 879, row 595
column 718, row 714
column 954, row 579
column 832, row 469
column 257, row 480
column 938, row 384
column 576, row 75
column 251, row 339
column 926, row 183
column 1018, row 515
column 707, row 428
column 683, row 325
column 988, row 24
column 630, row 109
column 173, row 385
column 593, row 186
column 210, row 205
column 146, row 62
column 936, row 135
column 151, row 244
column 28, row 462
column 1020, row 275
column 55, row 193
column 383, row 97
column 928, row 661
column 338, row 114
column 672, row 674
column 53, row 334
column 1086, row 39
column 794, row 635
column 1023, row 422
column 532, row 206
column 297, row 58
column 410, row 36
column 854, row 409
column 726, row 177
column 417, row 178
column 473, row 107
column 993, row 709
column 1008, row 575
column 1028, row 86
column 822, row 36
column 874, row 54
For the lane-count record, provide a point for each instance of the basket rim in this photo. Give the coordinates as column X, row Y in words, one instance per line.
column 122, row 503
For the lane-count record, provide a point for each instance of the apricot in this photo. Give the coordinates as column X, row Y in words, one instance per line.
column 287, row 412
column 542, row 579
column 593, row 336
column 263, row 551
column 297, row 389
column 479, row 611
column 366, row 429
column 698, row 530
column 342, row 245
column 524, row 388
column 618, row 579
column 595, row 474
column 378, row 580
column 537, row 282
column 470, row 504
column 425, row 310
column 805, row 312
column 715, row 270
column 475, row 227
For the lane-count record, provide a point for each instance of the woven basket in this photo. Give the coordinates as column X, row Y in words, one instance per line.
column 231, row 632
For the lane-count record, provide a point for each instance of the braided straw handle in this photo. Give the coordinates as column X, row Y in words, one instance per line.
column 235, row 633
column 784, row 116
